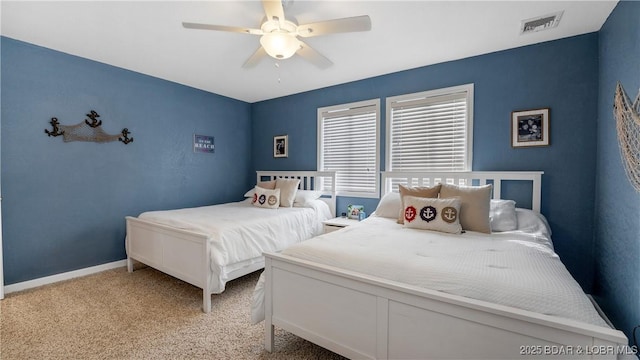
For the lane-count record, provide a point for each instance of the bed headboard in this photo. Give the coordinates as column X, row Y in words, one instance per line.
column 324, row 181
column 391, row 179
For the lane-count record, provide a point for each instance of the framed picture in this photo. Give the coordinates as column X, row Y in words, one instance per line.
column 530, row 128
column 280, row 146
column 203, row 144
column 353, row 211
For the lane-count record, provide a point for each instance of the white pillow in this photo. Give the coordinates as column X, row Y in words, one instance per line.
column 266, row 198
column 503, row 215
column 306, row 196
column 432, row 214
column 288, row 189
column 389, row 206
column 532, row 222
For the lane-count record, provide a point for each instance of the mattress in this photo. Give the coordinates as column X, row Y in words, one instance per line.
column 240, row 232
column 516, row 268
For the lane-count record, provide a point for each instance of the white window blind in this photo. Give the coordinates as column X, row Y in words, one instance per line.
column 348, row 144
column 430, row 131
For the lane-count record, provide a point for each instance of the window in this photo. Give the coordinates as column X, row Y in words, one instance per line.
column 348, row 144
column 430, row 131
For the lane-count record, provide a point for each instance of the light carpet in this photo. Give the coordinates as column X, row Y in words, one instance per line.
column 141, row 315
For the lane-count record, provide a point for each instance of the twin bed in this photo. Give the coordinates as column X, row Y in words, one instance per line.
column 208, row 246
column 381, row 290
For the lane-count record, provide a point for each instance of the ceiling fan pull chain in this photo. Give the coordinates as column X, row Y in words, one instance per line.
column 277, row 65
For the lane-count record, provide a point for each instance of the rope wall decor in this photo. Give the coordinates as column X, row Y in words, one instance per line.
column 86, row 131
column 627, row 115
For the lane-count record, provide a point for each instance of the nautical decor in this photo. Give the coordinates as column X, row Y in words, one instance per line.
column 203, row 144
column 627, row 118
column 89, row 130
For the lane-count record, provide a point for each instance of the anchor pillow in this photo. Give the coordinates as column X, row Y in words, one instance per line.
column 475, row 208
column 432, row 214
column 419, row 191
column 266, row 198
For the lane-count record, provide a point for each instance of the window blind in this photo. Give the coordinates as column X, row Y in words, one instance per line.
column 348, row 144
column 429, row 132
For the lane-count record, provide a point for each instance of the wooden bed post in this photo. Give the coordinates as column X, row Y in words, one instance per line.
column 126, row 244
column 269, row 338
column 206, row 287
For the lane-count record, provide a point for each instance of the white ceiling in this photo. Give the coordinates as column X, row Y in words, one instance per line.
column 147, row 37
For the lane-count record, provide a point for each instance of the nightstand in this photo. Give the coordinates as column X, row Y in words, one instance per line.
column 337, row 224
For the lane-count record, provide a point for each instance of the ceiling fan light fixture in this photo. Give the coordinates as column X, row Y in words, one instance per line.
column 280, row 45
column 279, row 36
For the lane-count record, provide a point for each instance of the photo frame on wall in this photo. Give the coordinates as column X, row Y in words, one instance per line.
column 281, row 146
column 530, row 128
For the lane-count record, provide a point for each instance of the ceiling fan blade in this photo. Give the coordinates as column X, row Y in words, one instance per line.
column 222, row 28
column 274, row 10
column 255, row 58
column 350, row 24
column 314, row 57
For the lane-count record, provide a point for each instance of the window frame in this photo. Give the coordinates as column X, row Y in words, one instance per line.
column 320, row 149
column 466, row 88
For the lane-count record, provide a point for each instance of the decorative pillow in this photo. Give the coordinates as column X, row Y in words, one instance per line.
column 474, row 210
column 432, row 214
column 503, row 215
column 288, row 189
column 271, row 184
column 306, row 196
column 263, row 184
column 419, row 191
column 266, row 198
column 389, row 206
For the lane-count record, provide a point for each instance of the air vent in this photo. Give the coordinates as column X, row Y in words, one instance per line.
column 541, row 23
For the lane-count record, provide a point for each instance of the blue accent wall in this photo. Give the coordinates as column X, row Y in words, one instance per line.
column 617, row 211
column 561, row 75
column 64, row 203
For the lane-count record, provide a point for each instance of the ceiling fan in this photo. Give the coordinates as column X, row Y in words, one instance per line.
column 279, row 36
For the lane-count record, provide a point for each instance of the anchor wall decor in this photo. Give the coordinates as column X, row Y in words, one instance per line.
column 89, row 130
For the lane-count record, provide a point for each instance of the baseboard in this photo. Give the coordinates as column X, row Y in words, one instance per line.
column 64, row 276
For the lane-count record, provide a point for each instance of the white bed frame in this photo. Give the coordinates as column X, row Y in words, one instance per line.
column 360, row 316
column 185, row 254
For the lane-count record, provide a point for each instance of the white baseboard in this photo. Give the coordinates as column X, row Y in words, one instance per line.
column 64, row 276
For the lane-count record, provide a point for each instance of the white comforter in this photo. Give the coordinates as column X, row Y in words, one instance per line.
column 241, row 232
column 515, row 268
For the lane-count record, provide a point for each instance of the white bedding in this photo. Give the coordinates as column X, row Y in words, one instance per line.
column 515, row 268
column 241, row 232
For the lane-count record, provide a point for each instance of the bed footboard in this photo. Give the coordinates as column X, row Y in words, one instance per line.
column 365, row 317
column 180, row 253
